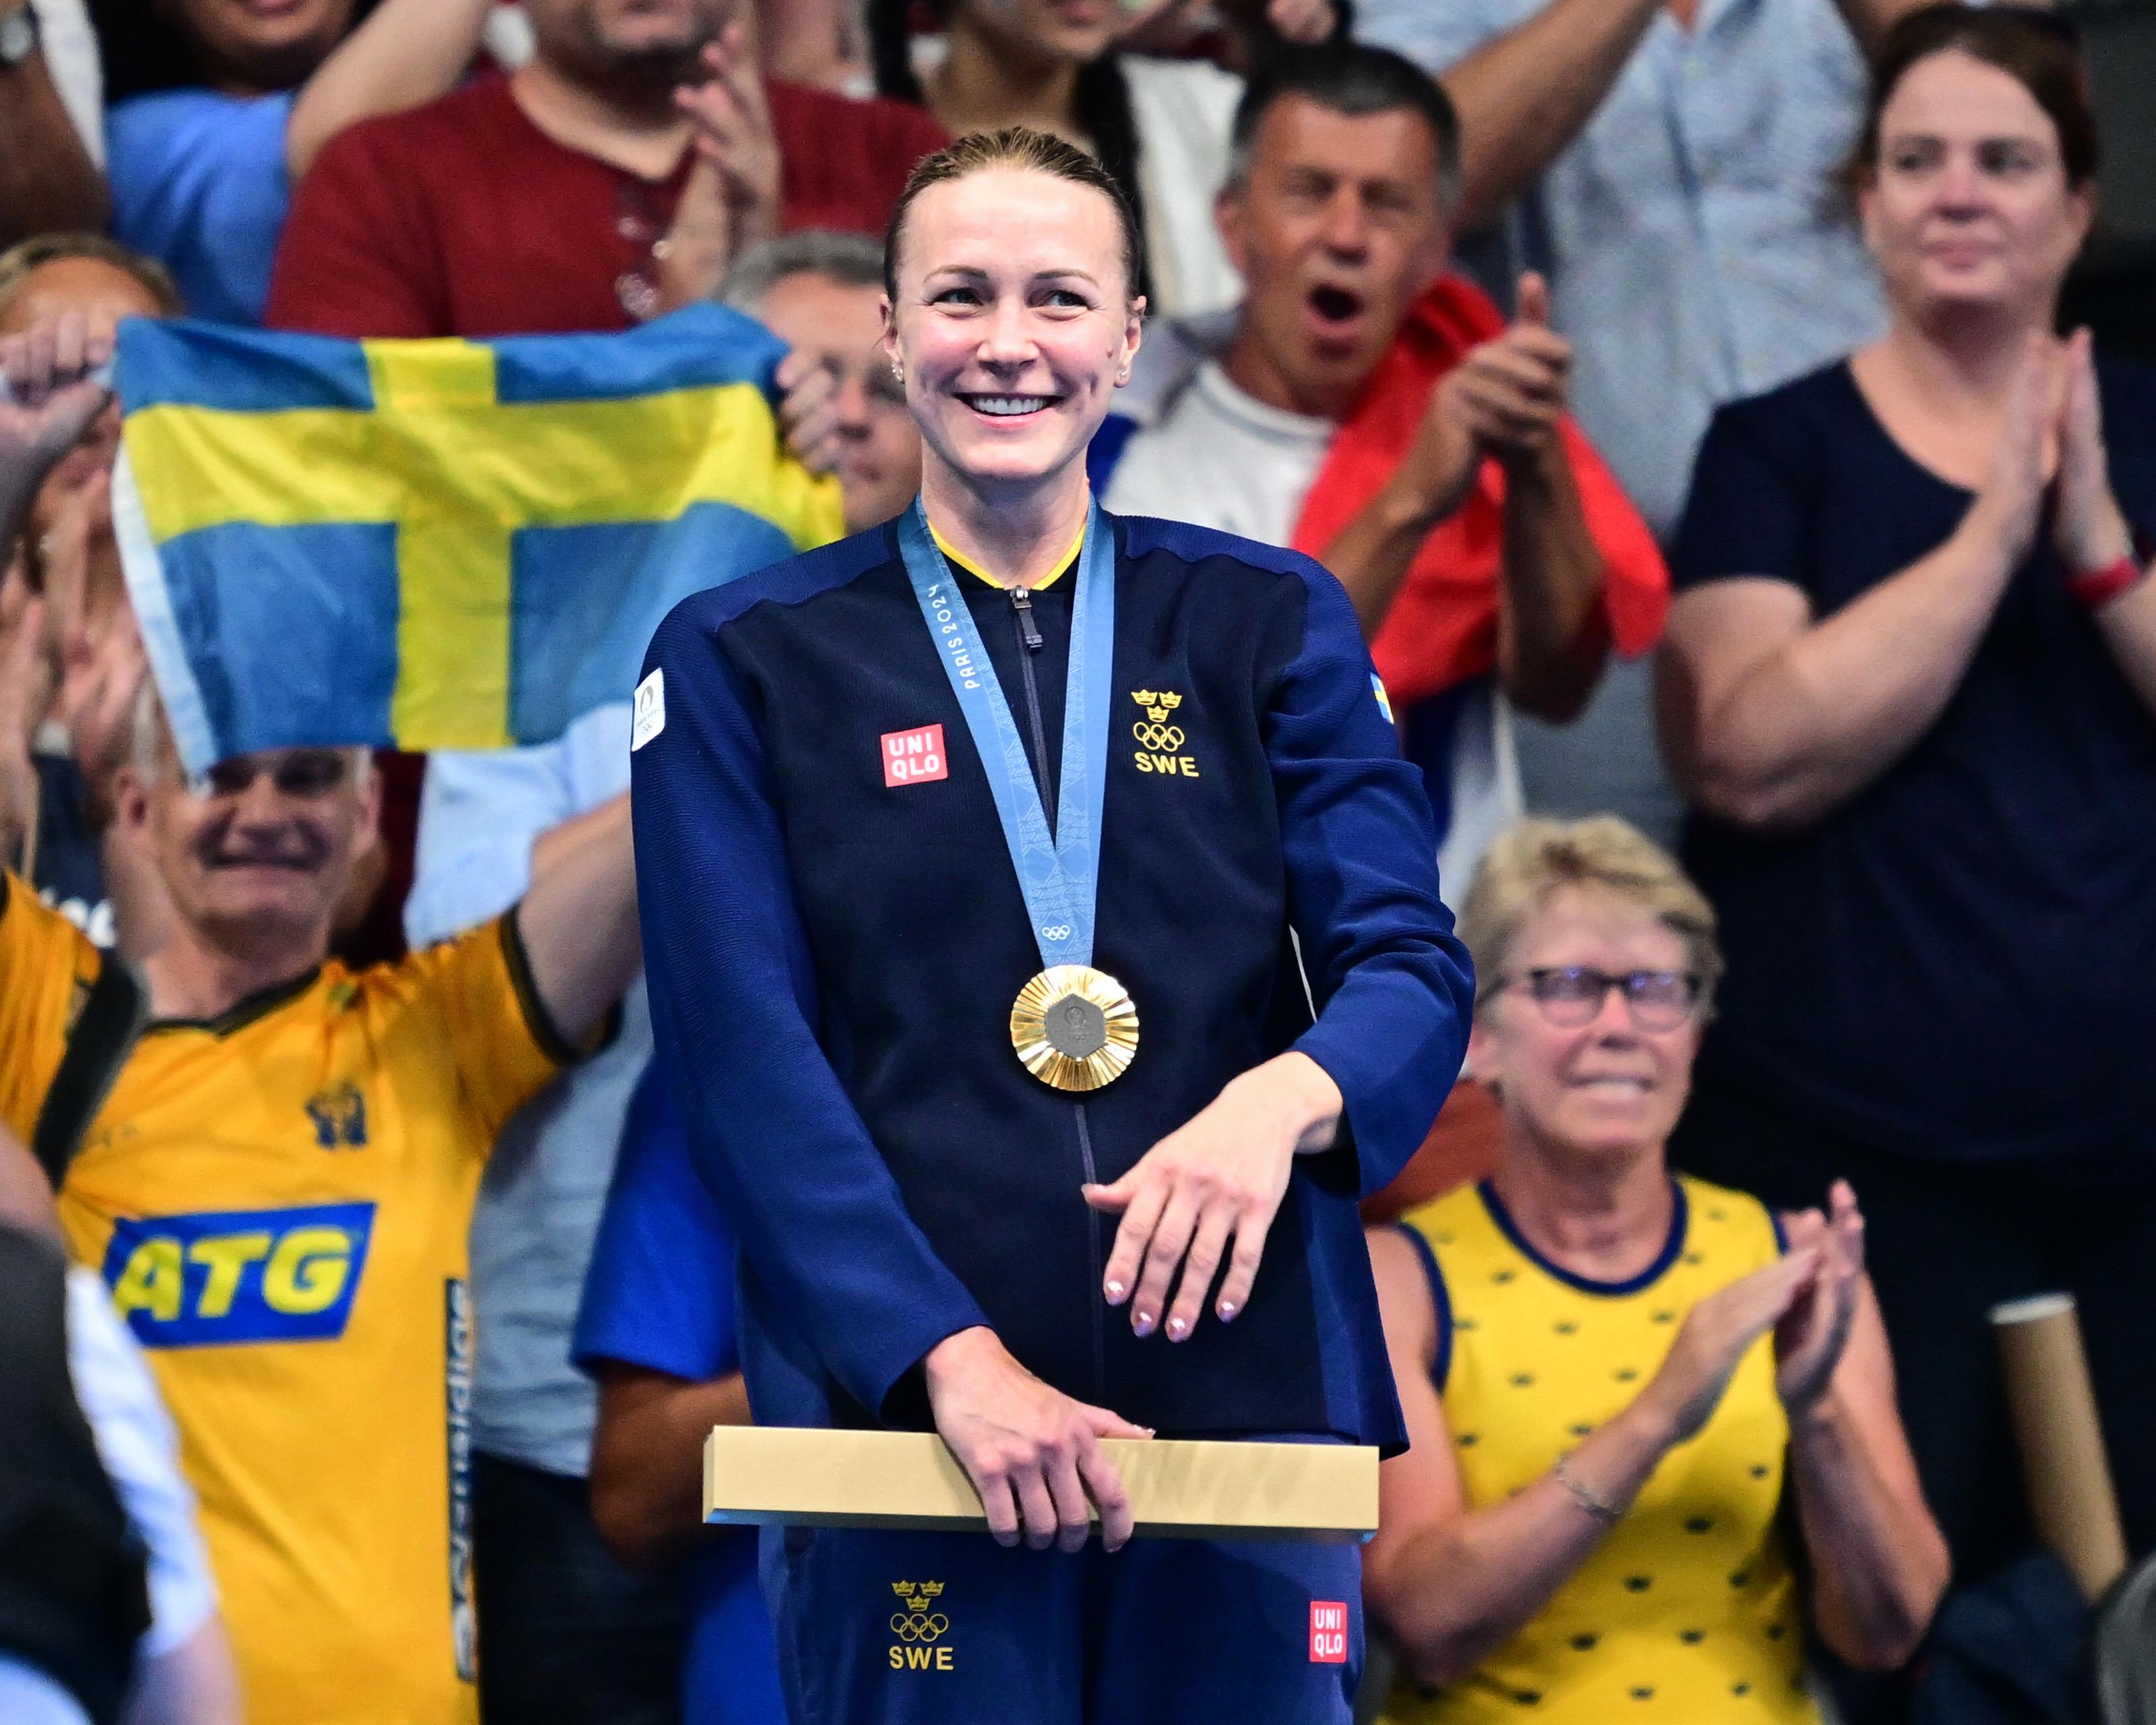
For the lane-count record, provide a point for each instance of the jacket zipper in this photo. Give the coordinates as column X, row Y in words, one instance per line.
column 1096, row 1301
column 1029, row 643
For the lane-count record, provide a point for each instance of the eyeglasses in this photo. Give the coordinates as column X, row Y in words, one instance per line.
column 304, row 774
column 1572, row 995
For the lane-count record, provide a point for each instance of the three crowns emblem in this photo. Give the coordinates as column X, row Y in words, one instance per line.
column 917, row 1623
column 1157, row 703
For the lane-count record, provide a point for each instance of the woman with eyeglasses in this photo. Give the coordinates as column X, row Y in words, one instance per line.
column 1909, row 688
column 1613, row 1377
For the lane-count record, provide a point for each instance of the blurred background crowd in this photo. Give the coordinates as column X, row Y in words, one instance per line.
column 1727, row 419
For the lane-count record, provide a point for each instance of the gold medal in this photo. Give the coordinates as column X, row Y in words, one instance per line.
column 1075, row 1027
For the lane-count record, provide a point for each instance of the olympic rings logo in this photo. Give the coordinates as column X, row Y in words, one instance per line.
column 914, row 1627
column 1158, row 737
column 1055, row 931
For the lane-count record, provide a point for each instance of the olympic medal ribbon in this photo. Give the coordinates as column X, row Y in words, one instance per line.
column 1058, row 870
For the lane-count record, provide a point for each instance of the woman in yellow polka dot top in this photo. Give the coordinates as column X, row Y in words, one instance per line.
column 1612, row 1376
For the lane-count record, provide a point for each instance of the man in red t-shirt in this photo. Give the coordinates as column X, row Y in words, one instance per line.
column 538, row 201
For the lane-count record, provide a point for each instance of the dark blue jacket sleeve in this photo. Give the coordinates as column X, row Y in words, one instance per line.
column 1394, row 988
column 734, row 1008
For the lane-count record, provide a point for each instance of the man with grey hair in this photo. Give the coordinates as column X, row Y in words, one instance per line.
column 821, row 293
column 287, row 1153
column 1337, row 217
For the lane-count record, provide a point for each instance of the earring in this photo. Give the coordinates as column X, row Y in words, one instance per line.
column 897, row 372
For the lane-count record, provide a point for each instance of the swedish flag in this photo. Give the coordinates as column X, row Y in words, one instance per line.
column 437, row 544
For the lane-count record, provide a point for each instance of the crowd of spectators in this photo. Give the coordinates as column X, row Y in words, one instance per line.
column 1675, row 388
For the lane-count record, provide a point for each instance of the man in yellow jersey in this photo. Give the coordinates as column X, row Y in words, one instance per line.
column 273, row 1176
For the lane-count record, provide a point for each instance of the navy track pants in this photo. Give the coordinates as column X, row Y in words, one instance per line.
column 952, row 1629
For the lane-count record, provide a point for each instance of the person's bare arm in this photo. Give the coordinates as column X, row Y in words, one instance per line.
column 195, row 1683
column 578, row 918
column 1449, row 1585
column 1879, row 1562
column 1771, row 719
column 732, row 200
column 1552, row 640
column 26, row 1196
column 1505, row 399
column 648, row 1457
column 2090, row 531
column 1522, row 97
column 48, row 182
column 409, row 52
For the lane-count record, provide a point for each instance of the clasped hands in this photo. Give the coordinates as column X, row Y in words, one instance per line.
column 2054, row 427
column 1205, row 1194
column 1504, row 400
column 1807, row 1298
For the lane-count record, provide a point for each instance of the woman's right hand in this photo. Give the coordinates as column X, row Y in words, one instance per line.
column 1019, row 1439
column 2010, row 504
column 1716, row 1336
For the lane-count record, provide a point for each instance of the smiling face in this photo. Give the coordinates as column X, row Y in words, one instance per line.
column 1014, row 323
column 257, row 45
column 1606, row 1088
column 1337, row 225
column 1969, row 208
column 261, row 854
column 839, row 325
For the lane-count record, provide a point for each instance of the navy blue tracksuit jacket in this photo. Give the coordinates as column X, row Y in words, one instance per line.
column 832, row 952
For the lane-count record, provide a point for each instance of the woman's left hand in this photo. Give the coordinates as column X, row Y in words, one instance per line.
column 1220, row 1178
column 2089, row 530
column 1808, row 1342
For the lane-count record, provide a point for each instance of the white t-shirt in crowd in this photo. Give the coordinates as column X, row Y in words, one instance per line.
column 77, row 72
column 1219, row 457
column 141, row 1452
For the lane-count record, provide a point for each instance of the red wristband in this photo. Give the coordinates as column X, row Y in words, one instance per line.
column 2099, row 586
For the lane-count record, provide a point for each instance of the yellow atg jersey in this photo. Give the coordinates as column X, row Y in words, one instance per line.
column 279, row 1200
column 1687, row 1610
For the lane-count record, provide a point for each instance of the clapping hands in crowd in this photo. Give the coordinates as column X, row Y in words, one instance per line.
column 732, row 199
column 2054, row 431
column 1504, row 400
column 1807, row 1298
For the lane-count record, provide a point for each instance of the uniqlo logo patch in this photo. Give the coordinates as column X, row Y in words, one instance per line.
column 914, row 757
column 1328, row 1632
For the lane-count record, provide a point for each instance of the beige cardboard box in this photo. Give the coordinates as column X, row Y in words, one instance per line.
column 787, row 1477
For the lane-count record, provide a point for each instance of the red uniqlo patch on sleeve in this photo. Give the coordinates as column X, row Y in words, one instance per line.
column 914, row 757
column 1328, row 1632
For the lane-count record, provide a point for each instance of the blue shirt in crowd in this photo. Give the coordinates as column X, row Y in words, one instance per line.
column 198, row 182
column 1955, row 962
column 660, row 1295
